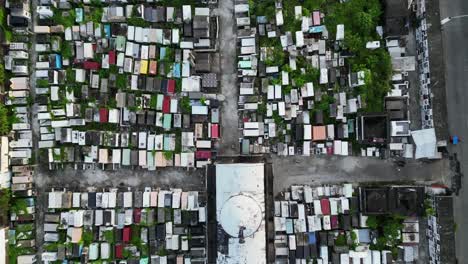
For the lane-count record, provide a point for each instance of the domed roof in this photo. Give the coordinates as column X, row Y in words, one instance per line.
column 241, row 211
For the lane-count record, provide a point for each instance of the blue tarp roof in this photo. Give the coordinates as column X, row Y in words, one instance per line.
column 58, row 61
column 317, row 29
column 78, row 15
column 262, row 20
column 289, row 226
column 107, row 30
column 162, row 53
column 312, row 238
column 176, row 70
column 364, row 236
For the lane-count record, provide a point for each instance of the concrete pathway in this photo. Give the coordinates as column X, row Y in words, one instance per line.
column 229, row 144
column 334, row 169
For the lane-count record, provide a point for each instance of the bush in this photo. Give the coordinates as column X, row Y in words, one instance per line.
column 66, row 50
column 262, row 108
column 42, row 83
column 4, row 26
column 185, row 104
column 19, row 206
column 95, row 15
column 138, row 22
column 121, row 82
column 340, row 240
column 153, row 102
column 5, row 196
column 372, row 222
column 5, row 120
column 2, row 74
column 109, row 236
column 60, row 19
column 168, row 155
column 203, row 101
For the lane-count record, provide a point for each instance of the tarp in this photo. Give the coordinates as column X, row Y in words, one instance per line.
column 426, row 143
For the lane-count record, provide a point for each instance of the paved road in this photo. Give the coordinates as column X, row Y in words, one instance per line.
column 137, row 178
column 227, row 48
column 335, row 169
column 455, row 36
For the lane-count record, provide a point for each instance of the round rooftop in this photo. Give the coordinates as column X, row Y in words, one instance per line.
column 241, row 211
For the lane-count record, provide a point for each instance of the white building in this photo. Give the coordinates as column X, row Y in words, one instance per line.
column 240, row 210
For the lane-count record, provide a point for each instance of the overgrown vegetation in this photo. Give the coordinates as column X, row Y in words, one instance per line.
column 14, row 252
column 3, row 25
column 96, row 13
column 19, row 206
column 360, row 18
column 388, row 231
column 138, row 22
column 121, row 82
column 7, row 119
column 428, row 209
column 66, row 50
column 185, row 104
column 67, row 20
column 87, row 237
column 262, row 109
column 2, row 74
column 5, row 196
column 109, row 236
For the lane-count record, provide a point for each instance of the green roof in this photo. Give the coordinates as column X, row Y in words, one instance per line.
column 120, row 42
column 149, row 160
column 167, row 121
column 159, row 102
column 245, row 64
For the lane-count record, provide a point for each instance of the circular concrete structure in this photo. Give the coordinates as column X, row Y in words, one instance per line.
column 241, row 211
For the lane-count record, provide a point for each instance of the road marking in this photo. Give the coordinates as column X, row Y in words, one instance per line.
column 448, row 19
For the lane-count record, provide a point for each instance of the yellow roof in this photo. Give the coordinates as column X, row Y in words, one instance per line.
column 144, row 67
